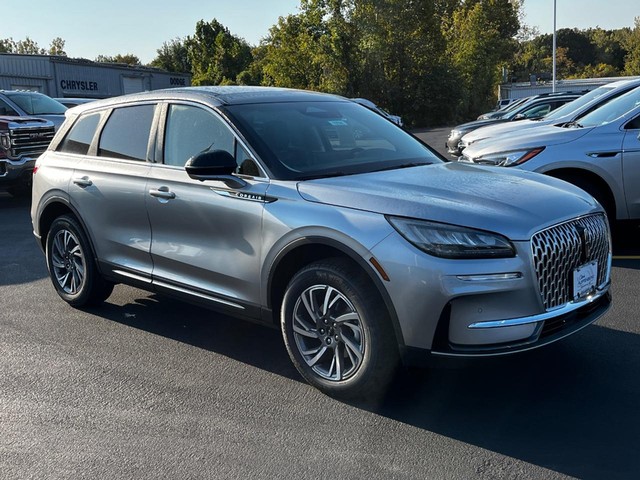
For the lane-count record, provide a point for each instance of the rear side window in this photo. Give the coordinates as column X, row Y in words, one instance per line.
column 79, row 137
column 126, row 133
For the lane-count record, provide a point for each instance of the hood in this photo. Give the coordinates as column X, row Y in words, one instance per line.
column 53, row 118
column 495, row 129
column 513, row 203
column 467, row 127
column 9, row 121
column 546, row 135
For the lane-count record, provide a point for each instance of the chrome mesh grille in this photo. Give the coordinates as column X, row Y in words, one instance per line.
column 559, row 250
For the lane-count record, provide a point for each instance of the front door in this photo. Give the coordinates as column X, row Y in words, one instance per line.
column 206, row 236
column 631, row 167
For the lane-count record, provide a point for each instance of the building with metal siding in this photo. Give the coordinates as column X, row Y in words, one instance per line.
column 524, row 89
column 68, row 77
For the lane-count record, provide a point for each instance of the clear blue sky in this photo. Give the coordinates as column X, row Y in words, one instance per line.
column 91, row 28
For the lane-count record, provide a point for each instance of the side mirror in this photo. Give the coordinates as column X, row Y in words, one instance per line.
column 214, row 165
column 520, row 116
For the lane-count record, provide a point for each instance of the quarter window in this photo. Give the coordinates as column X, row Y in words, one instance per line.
column 81, row 134
column 126, row 134
column 191, row 130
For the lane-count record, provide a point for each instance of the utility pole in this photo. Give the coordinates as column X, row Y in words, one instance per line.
column 553, row 84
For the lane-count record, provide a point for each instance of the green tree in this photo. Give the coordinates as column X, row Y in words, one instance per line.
column 404, row 65
column 7, row 45
column 173, row 56
column 57, row 47
column 601, row 70
column 480, row 39
column 216, row 56
column 28, row 46
column 631, row 42
column 291, row 53
column 128, row 58
column 608, row 49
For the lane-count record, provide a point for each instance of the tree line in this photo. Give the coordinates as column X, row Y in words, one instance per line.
column 431, row 61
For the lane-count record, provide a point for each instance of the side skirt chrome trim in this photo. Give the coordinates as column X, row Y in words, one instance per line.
column 198, row 294
column 138, row 278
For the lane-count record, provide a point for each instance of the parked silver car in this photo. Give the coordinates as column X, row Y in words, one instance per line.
column 569, row 112
column 262, row 203
column 600, row 153
column 535, row 107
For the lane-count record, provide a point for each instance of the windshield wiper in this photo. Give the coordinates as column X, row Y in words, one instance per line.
column 336, row 173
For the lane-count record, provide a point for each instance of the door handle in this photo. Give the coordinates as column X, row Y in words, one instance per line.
column 83, row 181
column 162, row 192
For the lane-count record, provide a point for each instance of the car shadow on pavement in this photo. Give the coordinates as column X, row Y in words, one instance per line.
column 251, row 343
column 558, row 407
column 569, row 407
column 20, row 259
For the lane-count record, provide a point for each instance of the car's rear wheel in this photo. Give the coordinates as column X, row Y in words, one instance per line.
column 337, row 331
column 71, row 265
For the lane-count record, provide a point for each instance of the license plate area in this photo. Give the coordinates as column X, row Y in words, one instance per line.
column 585, row 278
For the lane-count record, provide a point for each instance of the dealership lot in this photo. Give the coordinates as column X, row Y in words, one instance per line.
column 148, row 387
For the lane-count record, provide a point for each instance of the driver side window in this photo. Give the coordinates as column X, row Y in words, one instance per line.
column 5, row 109
column 191, row 130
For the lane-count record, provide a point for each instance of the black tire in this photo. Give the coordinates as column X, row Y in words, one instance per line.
column 357, row 356
column 71, row 264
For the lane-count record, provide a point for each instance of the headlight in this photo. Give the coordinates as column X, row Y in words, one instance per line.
column 451, row 241
column 5, row 141
column 508, row 159
column 470, row 141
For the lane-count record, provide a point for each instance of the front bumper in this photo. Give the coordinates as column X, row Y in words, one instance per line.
column 548, row 328
column 477, row 307
column 16, row 173
column 453, row 143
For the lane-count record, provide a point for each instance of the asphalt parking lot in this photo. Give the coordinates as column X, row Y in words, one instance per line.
column 148, row 387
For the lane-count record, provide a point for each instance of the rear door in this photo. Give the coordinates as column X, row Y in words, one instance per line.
column 108, row 190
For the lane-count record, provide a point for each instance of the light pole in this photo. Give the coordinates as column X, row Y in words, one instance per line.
column 553, row 82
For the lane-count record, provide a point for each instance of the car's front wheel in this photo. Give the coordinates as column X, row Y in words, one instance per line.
column 337, row 331
column 71, row 265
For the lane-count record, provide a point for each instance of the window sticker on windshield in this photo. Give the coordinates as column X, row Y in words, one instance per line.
column 338, row 123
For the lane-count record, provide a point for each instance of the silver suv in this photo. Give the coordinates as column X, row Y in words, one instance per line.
column 311, row 212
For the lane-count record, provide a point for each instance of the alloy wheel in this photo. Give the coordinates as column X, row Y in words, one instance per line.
column 328, row 332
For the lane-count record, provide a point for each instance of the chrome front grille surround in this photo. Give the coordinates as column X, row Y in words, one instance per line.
column 29, row 141
column 559, row 250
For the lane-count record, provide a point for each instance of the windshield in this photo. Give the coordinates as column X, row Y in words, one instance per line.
column 303, row 140
column 578, row 103
column 612, row 110
column 37, row 104
column 513, row 105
